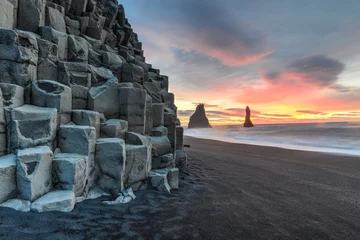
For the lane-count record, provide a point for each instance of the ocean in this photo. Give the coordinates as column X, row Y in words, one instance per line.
column 337, row 138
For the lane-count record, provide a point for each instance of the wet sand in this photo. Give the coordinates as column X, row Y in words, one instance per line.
column 228, row 191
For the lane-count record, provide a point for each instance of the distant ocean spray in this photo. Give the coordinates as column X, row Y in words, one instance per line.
column 337, row 138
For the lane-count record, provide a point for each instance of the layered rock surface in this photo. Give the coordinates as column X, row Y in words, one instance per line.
column 81, row 111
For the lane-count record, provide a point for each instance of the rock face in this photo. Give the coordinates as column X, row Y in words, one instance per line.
column 248, row 122
column 199, row 119
column 82, row 114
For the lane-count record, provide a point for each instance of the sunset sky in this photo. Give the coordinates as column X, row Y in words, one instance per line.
column 288, row 60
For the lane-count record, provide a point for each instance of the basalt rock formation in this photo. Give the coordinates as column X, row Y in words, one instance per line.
column 248, row 122
column 199, row 119
column 81, row 112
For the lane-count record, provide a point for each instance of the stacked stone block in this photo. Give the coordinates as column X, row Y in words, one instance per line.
column 80, row 109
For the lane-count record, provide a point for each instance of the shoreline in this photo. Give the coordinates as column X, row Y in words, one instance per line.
column 274, row 146
column 228, row 191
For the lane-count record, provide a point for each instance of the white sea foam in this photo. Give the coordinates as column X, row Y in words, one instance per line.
column 334, row 138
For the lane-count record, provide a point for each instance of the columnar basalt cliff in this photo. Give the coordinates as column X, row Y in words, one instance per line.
column 199, row 119
column 248, row 122
column 81, row 112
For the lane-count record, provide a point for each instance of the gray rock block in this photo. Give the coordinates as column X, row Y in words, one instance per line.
column 78, row 77
column 55, row 17
column 137, row 162
column 80, row 140
column 158, row 114
column 181, row 158
column 13, row 95
column 61, row 201
column 179, row 138
column 17, row 204
column 31, row 126
column 33, row 174
column 78, row 49
column 159, row 181
column 87, row 118
column 132, row 73
column 160, row 131
column 31, row 15
column 110, row 158
column 78, row 7
column 137, row 139
column 160, row 146
column 132, row 108
column 69, row 172
column 148, row 115
column 105, row 98
column 6, row 14
column 114, row 128
column 7, row 177
column 164, row 161
column 58, row 38
column 52, row 94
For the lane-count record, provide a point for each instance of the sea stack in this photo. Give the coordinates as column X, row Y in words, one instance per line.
column 199, row 119
column 248, row 122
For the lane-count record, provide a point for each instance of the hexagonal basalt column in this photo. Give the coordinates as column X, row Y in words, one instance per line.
column 34, row 177
column 132, row 108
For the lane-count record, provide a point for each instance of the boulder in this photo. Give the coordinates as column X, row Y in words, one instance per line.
column 33, row 174
column 31, row 126
column 61, row 201
column 69, row 172
column 124, row 197
column 114, row 128
column 87, row 118
column 110, row 159
column 7, row 177
column 199, row 119
column 159, row 181
column 136, row 166
column 105, row 98
column 17, row 204
column 248, row 122
column 173, row 178
column 132, row 108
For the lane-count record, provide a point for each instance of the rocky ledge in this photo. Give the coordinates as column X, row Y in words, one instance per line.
column 81, row 112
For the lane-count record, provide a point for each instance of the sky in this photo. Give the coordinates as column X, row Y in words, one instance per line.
column 288, row 60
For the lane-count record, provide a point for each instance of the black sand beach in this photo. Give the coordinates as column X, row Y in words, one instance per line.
column 229, row 191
